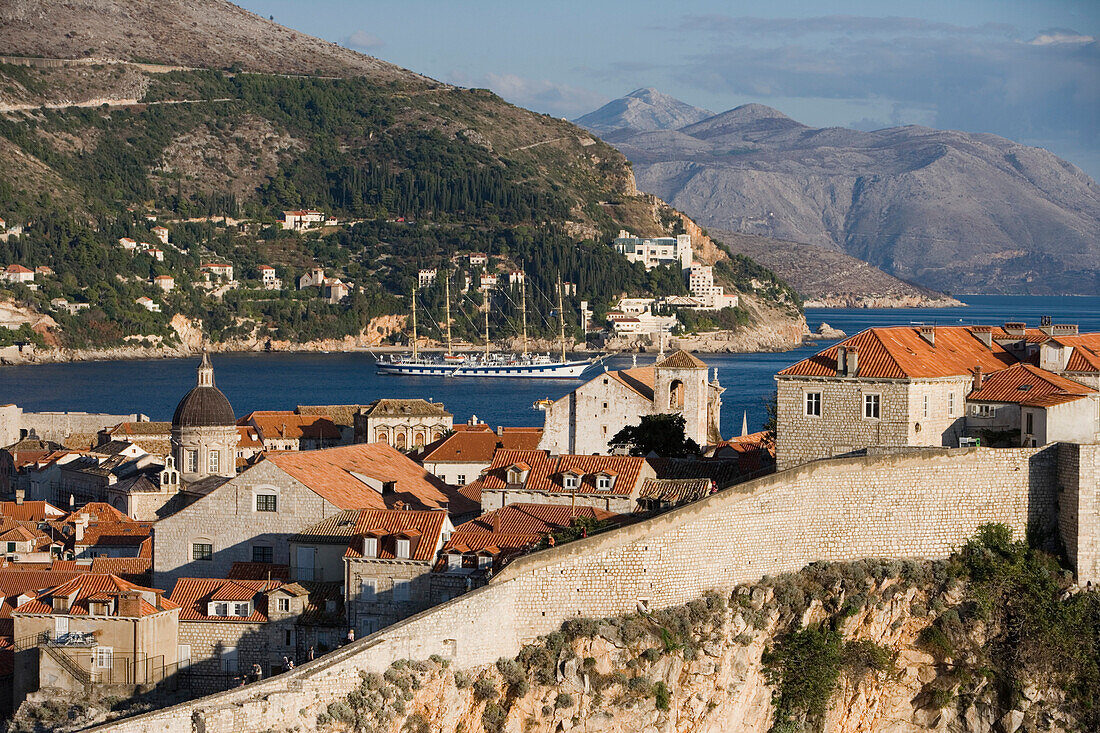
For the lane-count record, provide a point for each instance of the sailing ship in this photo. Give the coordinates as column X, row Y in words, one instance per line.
column 501, row 366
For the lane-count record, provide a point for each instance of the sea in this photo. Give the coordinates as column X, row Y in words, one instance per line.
column 279, row 381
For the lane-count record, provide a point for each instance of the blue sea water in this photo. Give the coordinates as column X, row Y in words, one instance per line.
column 282, row 381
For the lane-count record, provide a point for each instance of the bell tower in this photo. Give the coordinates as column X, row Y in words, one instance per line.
column 680, row 387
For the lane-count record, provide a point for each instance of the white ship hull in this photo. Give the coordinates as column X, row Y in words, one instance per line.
column 494, row 370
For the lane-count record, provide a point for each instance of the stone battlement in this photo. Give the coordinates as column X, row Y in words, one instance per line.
column 922, row 504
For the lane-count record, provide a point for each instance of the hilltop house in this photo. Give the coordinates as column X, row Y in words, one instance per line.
column 161, row 233
column 217, row 270
column 18, row 274
column 167, row 283
column 302, row 219
column 315, row 277
column 268, row 278
column 426, row 277
column 259, row 509
column 583, row 421
column 655, row 251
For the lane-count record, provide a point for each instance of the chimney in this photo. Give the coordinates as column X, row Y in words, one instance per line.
column 19, row 495
column 1064, row 329
column 977, row 377
column 496, row 522
column 500, row 431
column 852, row 367
column 389, row 487
column 80, row 525
column 928, row 333
column 129, row 604
column 983, row 334
column 1015, row 328
column 841, row 359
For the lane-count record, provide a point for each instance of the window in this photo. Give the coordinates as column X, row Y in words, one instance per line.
column 1030, row 429
column 242, row 609
column 229, row 659
column 214, row 457
column 191, row 461
column 218, row 608
column 368, row 588
column 813, row 404
column 484, row 561
column 183, row 655
column 265, row 502
column 11, row 547
column 288, row 638
column 261, row 553
column 603, row 482
column 454, row 561
column 951, row 404
column 104, row 657
column 872, row 404
column 282, row 605
column 984, row 410
column 569, row 481
column 924, row 406
column 403, row 548
column 370, row 547
column 676, row 394
column 400, row 590
column 202, row 551
column 460, row 479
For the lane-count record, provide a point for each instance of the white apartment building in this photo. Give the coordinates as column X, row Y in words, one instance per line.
column 655, row 251
column 424, row 278
column 702, row 288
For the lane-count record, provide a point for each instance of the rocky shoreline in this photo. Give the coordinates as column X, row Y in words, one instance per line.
column 881, row 301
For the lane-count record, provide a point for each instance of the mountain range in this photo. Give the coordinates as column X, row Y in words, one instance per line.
column 955, row 211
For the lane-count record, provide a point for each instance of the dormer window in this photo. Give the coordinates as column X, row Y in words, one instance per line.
column 99, row 608
column 217, row 608
column 403, row 546
column 370, row 547
column 517, row 473
column 604, row 482
column 570, row 480
column 454, row 561
column 484, row 561
column 242, row 609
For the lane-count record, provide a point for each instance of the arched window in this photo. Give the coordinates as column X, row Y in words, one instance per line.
column 418, row 439
column 399, row 441
column 437, row 434
column 381, row 436
column 676, row 394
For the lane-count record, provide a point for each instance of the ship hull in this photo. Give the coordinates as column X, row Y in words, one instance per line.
column 553, row 370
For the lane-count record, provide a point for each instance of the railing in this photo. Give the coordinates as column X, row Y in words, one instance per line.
column 77, row 672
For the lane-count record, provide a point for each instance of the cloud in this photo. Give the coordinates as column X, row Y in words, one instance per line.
column 541, row 95
column 364, row 41
column 985, row 79
column 837, row 24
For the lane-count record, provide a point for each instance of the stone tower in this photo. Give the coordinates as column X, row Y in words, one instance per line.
column 680, row 386
column 204, row 430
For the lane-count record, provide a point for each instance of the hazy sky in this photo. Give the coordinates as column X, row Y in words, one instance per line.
column 1025, row 69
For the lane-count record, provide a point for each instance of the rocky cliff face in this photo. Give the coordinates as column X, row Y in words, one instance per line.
column 837, row 648
column 948, row 210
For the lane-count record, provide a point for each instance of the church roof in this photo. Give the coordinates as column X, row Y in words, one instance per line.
column 681, row 360
column 204, row 407
column 407, row 407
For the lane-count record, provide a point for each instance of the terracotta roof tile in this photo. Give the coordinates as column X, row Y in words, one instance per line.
column 258, row 571
column 417, row 407
column 347, row 528
column 900, row 352
column 681, row 359
column 298, row 427
column 340, row 414
column 97, row 511
column 331, row 473
column 193, row 594
column 30, row 511
column 122, row 566
column 639, row 379
column 476, row 446
column 1085, row 356
column 545, row 471
column 92, row 586
column 115, row 534
column 1030, row 386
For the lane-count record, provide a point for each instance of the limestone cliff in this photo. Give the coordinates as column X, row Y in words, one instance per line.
column 839, row 648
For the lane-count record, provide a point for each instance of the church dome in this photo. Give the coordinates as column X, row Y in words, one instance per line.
column 205, row 405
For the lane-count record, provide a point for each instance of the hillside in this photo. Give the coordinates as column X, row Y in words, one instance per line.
column 831, row 279
column 411, row 173
column 948, row 210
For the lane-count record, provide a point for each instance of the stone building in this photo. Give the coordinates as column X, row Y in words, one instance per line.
column 144, row 497
column 895, row 386
column 383, row 559
column 155, row 438
column 611, row 483
column 404, row 424
column 1073, row 355
column 229, row 624
column 460, row 457
column 583, row 421
column 1033, row 407
column 96, row 634
column 204, row 430
column 250, row 517
column 288, row 430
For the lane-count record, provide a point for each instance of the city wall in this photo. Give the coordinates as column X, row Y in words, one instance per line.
column 56, row 426
column 922, row 504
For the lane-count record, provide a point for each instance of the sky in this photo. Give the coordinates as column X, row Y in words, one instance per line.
column 1025, row 69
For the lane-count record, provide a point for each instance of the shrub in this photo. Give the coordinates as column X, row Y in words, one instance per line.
column 485, row 689
column 493, row 717
column 563, row 700
column 640, row 686
column 936, row 642
column 651, row 655
column 462, row 680
column 547, row 710
column 863, row 656
column 804, row 666
column 511, row 671
column 580, row 627
column 341, row 711
column 660, row 691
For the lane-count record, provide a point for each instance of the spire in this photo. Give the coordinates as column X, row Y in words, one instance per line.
column 745, row 423
column 206, row 371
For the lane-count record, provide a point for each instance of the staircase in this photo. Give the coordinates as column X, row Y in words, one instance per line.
column 66, row 662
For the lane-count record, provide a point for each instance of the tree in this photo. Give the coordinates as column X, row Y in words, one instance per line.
column 660, row 434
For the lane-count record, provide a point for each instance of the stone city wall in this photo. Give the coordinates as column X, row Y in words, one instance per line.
column 922, row 504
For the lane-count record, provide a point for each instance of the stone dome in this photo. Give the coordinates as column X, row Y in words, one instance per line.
column 203, row 407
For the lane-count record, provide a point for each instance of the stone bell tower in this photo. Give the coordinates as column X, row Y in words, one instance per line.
column 680, row 386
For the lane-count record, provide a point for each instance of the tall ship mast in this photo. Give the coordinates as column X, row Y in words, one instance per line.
column 492, row 365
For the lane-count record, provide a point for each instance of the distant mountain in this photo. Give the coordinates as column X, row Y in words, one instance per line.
column 949, row 210
column 643, row 110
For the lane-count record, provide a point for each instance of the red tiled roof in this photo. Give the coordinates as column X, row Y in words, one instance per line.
column 537, row 519
column 1085, row 356
column 122, row 565
column 330, row 473
column 90, row 586
column 478, row 446
column 116, row 534
column 900, row 352
column 681, row 359
column 280, row 425
column 193, row 594
column 247, row 437
column 18, row 269
column 424, row 527
column 97, row 511
column 545, row 471
column 30, row 511
column 1030, row 386
column 639, row 379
